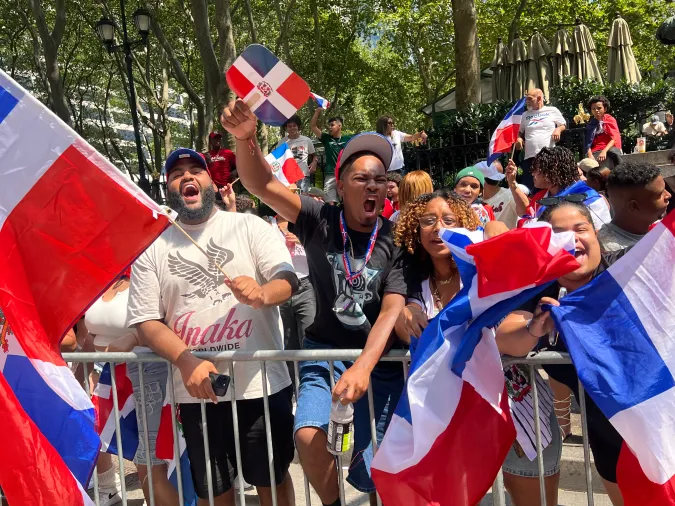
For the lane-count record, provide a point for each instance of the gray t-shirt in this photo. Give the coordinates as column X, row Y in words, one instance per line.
column 301, row 147
column 613, row 238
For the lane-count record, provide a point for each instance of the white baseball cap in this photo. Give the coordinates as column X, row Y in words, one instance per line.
column 489, row 171
column 366, row 141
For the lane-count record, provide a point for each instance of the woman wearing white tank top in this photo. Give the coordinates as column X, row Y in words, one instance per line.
column 106, row 325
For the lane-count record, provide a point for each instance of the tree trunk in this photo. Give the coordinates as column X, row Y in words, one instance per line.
column 228, row 53
column 50, row 43
column 263, row 137
column 183, row 80
column 515, row 22
column 284, row 23
column 251, row 23
column 317, row 47
column 210, row 64
column 466, row 56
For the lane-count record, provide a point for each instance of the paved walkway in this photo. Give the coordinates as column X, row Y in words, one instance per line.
column 572, row 482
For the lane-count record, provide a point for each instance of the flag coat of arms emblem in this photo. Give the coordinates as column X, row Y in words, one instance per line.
column 272, row 90
column 283, row 165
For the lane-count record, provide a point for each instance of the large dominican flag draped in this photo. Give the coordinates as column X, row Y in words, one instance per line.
column 452, row 427
column 70, row 223
column 620, row 332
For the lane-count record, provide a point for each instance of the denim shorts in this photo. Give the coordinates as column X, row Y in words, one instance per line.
column 523, row 466
column 155, row 375
column 315, row 400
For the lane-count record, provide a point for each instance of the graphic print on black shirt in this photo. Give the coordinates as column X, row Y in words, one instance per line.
column 352, row 297
column 344, row 313
column 208, row 282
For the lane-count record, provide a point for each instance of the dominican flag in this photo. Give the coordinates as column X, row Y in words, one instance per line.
column 272, row 90
column 620, row 332
column 164, row 450
column 105, row 413
column 594, row 201
column 507, row 132
column 70, row 223
column 452, row 427
column 283, row 165
column 320, row 101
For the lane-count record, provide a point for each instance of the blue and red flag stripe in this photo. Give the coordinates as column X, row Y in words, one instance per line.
column 272, row 90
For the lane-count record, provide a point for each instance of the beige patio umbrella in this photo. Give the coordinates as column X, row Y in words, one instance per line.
column 539, row 66
column 561, row 56
column 500, row 72
column 621, row 60
column 518, row 70
column 584, row 61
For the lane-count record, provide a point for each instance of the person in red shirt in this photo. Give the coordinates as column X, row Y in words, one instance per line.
column 393, row 180
column 603, row 138
column 221, row 161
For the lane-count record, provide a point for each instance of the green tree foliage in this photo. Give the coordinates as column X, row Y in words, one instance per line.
column 368, row 58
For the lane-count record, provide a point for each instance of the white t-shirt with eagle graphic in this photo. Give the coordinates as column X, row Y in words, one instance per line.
column 172, row 281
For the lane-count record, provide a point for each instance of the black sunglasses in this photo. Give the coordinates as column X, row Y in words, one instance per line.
column 576, row 198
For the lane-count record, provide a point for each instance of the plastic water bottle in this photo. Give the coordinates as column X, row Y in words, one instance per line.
column 340, row 428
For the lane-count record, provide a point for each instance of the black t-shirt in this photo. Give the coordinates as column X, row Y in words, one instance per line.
column 345, row 313
column 605, row 440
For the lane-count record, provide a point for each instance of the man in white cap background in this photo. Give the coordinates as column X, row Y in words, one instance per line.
column 655, row 127
column 357, row 275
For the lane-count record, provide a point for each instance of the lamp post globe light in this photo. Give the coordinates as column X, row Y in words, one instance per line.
column 105, row 30
column 142, row 19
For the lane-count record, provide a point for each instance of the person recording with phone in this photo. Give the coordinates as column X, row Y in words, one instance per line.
column 181, row 300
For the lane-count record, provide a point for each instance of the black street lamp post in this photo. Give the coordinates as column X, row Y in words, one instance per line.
column 105, row 29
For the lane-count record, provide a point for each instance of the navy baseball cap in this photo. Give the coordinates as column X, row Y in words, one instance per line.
column 179, row 154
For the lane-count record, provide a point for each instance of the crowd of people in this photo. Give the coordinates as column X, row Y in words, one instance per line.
column 358, row 264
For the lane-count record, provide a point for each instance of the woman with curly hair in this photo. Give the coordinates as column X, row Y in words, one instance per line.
column 417, row 233
column 556, row 174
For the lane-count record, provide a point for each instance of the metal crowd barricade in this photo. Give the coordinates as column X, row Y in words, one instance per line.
column 263, row 357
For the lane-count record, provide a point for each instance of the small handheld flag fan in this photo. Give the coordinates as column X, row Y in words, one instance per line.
column 272, row 90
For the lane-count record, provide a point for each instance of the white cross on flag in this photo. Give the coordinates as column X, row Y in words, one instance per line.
column 272, row 90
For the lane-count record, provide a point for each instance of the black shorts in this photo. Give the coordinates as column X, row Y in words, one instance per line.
column 604, row 440
column 252, row 440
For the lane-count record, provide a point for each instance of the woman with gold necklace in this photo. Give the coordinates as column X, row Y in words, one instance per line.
column 417, row 232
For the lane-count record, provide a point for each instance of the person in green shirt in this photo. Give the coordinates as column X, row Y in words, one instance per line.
column 333, row 142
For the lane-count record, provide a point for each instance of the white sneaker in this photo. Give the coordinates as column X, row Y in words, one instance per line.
column 247, row 486
column 108, row 496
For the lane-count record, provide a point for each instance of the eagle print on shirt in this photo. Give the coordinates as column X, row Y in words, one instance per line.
column 350, row 298
column 209, row 281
